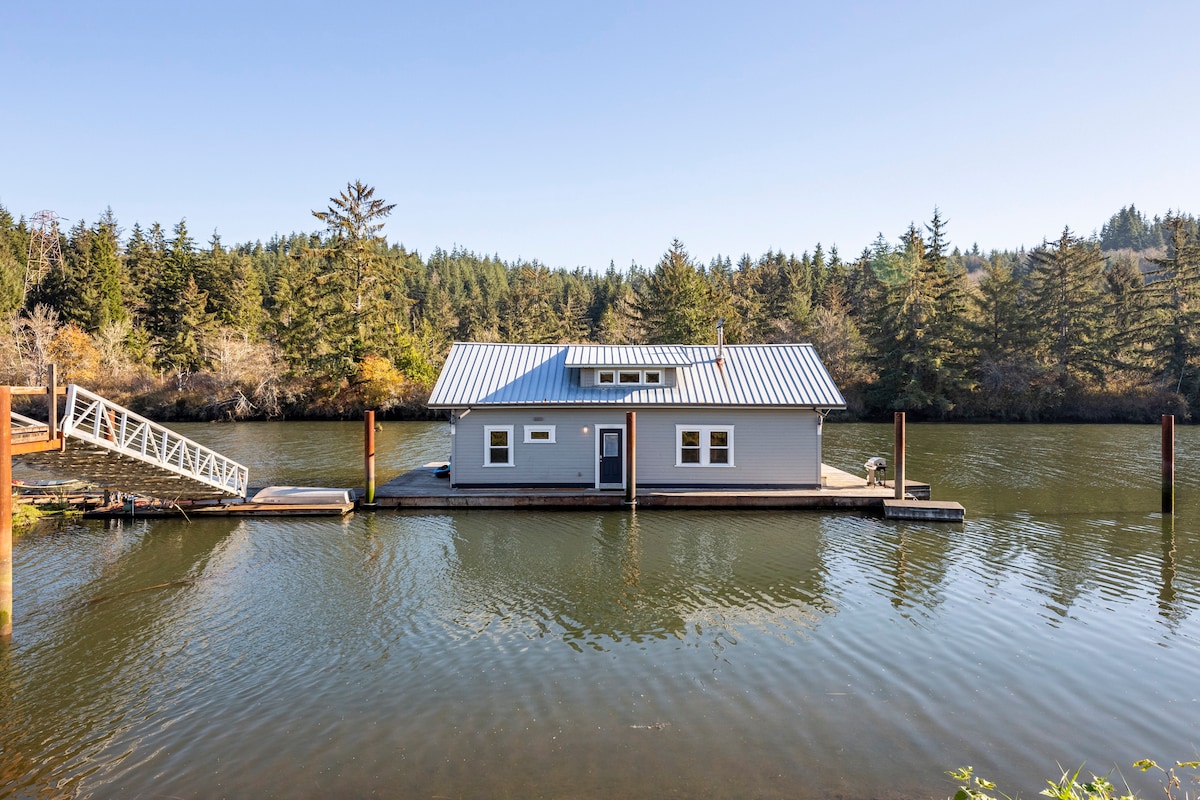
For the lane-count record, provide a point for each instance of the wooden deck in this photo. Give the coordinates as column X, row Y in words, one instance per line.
column 420, row 489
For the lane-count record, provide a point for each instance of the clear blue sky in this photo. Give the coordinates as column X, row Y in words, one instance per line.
column 580, row 133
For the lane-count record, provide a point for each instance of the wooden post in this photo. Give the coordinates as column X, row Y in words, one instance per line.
column 369, row 455
column 52, row 399
column 630, row 458
column 1168, row 464
column 6, row 514
column 899, row 455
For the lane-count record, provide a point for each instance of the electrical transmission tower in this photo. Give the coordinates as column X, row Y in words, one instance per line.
column 45, row 251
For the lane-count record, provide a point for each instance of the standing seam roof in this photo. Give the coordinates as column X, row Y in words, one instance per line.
column 480, row 374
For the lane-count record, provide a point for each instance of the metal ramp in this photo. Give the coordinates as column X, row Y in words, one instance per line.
column 111, row 446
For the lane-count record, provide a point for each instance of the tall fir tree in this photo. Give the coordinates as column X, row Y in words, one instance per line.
column 676, row 304
column 1066, row 276
column 1175, row 289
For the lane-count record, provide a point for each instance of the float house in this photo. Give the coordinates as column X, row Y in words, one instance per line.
column 707, row 417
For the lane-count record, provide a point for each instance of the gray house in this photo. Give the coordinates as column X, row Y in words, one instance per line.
column 737, row 416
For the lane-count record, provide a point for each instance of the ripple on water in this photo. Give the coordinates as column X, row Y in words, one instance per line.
column 605, row 654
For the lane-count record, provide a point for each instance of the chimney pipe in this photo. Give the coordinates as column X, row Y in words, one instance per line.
column 720, row 340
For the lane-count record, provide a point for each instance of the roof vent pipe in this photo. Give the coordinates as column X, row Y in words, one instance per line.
column 721, row 340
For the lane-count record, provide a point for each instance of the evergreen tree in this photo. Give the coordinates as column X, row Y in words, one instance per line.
column 354, row 221
column 676, row 304
column 1175, row 289
column 183, row 351
column 108, row 272
column 351, row 292
column 1066, row 279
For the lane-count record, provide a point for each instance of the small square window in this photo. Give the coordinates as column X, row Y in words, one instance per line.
column 652, row 376
column 606, row 376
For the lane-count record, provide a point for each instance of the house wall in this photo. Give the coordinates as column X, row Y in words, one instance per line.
column 771, row 447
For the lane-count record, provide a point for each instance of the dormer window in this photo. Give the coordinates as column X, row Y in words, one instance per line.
column 629, row 377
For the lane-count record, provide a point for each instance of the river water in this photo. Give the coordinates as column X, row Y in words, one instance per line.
column 618, row 654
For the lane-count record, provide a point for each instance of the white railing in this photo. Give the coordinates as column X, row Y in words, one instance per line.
column 92, row 419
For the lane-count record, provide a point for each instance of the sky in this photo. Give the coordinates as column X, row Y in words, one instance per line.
column 584, row 134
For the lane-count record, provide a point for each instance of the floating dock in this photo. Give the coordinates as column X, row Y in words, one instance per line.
column 929, row 510
column 420, row 489
column 273, row 501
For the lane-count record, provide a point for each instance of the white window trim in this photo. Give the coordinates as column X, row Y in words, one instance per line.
column 615, row 376
column 487, row 445
column 704, row 430
column 530, row 429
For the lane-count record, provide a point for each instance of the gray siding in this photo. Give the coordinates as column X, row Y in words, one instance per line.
column 569, row 461
column 771, row 447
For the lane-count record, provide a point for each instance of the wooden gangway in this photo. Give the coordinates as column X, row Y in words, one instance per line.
column 111, row 446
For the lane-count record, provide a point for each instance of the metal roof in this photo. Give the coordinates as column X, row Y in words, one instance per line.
column 775, row 375
column 627, row 356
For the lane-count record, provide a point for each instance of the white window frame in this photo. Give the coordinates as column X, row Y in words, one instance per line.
column 619, row 377
column 487, row 446
column 706, row 448
column 532, row 429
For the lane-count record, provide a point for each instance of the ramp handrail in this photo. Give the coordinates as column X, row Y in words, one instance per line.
column 91, row 418
column 25, row 422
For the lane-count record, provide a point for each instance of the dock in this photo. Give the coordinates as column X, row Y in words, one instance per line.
column 421, row 489
column 929, row 510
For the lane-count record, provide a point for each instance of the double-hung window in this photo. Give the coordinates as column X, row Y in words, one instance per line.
column 498, row 446
column 704, row 445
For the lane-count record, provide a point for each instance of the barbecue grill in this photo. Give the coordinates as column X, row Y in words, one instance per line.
column 876, row 468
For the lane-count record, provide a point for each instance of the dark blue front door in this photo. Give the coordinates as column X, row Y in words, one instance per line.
column 612, row 455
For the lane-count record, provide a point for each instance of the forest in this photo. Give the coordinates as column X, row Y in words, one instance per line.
column 1097, row 328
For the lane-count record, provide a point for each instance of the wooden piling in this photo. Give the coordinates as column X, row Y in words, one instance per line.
column 1168, row 464
column 630, row 458
column 6, row 514
column 899, row 455
column 52, row 399
column 369, row 456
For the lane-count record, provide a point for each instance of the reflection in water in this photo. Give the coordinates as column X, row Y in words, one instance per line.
column 614, row 654
column 593, row 579
column 1166, row 593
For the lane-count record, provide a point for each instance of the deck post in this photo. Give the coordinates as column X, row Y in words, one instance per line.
column 1168, row 464
column 630, row 458
column 6, row 514
column 899, row 455
column 52, row 399
column 369, row 455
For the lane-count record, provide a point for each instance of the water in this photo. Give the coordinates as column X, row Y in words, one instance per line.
column 616, row 654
